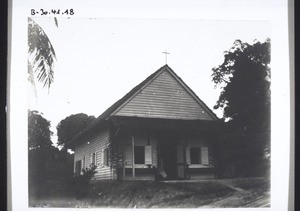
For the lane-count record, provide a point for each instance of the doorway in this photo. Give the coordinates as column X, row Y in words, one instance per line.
column 172, row 160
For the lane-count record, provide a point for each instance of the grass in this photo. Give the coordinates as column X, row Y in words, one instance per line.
column 150, row 194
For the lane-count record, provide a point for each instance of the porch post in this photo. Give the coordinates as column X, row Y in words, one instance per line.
column 133, row 169
column 123, row 161
column 185, row 160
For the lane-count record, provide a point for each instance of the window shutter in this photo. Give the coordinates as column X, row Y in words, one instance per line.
column 98, row 158
column 188, row 155
column 106, row 157
column 148, row 155
column 95, row 161
column 102, row 157
column 128, row 155
column 83, row 162
column 94, row 158
column 204, row 155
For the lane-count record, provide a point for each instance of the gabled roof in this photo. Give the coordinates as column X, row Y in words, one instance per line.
column 117, row 105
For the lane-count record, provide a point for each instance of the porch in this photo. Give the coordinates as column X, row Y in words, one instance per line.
column 155, row 149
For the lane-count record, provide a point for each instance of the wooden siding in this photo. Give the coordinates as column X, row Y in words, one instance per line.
column 201, row 174
column 164, row 97
column 140, row 174
column 95, row 145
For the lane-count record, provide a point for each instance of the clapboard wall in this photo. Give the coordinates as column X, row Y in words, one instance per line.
column 164, row 97
column 96, row 145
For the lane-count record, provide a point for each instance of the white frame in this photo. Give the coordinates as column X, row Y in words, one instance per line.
column 275, row 11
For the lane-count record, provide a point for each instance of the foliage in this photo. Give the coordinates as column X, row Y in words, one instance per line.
column 244, row 77
column 41, row 55
column 83, row 182
column 116, row 153
column 49, row 170
column 71, row 126
column 39, row 134
column 46, row 163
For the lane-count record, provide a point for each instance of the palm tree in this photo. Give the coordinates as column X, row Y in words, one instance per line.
column 41, row 55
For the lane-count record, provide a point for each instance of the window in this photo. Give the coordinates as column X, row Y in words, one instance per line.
column 139, row 155
column 77, row 167
column 93, row 159
column 195, row 153
column 143, row 155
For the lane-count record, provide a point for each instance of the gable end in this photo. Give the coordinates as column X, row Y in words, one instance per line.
column 165, row 96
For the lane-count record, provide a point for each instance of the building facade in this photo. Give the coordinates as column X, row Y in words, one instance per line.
column 159, row 130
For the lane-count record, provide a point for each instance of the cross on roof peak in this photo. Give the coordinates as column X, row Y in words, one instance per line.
column 166, row 53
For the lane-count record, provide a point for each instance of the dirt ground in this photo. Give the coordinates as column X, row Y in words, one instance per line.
column 246, row 192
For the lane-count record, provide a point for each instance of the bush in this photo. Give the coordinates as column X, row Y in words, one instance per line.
column 83, row 182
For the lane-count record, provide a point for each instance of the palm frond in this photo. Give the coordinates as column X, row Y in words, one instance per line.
column 42, row 55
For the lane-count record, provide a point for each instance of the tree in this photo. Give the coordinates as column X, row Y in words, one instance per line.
column 49, row 169
column 39, row 150
column 41, row 55
column 71, row 126
column 39, row 134
column 244, row 78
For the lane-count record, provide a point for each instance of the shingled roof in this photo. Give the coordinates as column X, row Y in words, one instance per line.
column 108, row 112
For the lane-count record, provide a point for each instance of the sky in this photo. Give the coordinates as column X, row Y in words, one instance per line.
column 99, row 60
